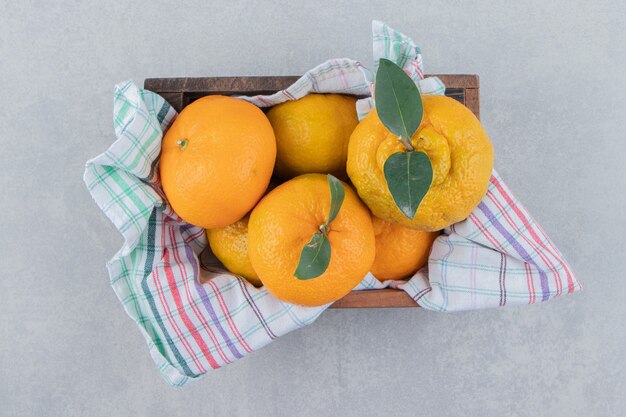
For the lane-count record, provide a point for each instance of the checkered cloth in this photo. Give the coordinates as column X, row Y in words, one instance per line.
column 196, row 318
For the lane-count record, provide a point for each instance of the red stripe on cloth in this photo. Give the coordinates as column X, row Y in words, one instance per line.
column 568, row 268
column 229, row 318
column 537, row 248
column 165, row 306
column 193, row 330
column 496, row 244
column 192, row 303
column 194, row 236
column 483, row 229
column 520, row 214
column 344, row 80
column 418, row 69
column 265, row 102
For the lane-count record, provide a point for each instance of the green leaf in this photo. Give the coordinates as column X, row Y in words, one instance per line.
column 398, row 101
column 408, row 176
column 314, row 258
column 315, row 255
column 337, row 193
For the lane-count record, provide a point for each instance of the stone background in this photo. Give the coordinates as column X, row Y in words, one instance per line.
column 552, row 76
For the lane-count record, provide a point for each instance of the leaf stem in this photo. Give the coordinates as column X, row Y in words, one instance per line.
column 324, row 228
column 407, row 143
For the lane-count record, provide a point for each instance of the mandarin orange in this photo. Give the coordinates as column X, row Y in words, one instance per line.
column 285, row 220
column 400, row 251
column 459, row 150
column 216, row 160
column 230, row 245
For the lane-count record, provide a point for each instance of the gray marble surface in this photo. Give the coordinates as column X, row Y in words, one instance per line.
column 553, row 83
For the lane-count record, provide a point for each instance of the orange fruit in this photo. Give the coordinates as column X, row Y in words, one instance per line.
column 460, row 152
column 312, row 134
column 400, row 251
column 230, row 245
column 286, row 219
column 216, row 160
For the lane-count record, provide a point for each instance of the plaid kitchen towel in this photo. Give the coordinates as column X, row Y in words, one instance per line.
column 497, row 256
column 196, row 318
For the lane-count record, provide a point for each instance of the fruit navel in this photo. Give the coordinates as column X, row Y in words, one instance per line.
column 182, row 144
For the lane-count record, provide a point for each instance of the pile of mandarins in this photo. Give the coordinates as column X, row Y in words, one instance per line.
column 311, row 237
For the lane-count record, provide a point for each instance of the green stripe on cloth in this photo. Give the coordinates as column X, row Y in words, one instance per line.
column 157, row 317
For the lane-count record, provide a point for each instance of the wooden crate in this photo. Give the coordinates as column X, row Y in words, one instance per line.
column 181, row 91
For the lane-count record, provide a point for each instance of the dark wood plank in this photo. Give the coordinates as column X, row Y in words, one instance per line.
column 269, row 83
column 215, row 85
column 386, row 298
column 457, row 87
column 472, row 100
column 456, row 93
column 175, row 99
column 458, row 80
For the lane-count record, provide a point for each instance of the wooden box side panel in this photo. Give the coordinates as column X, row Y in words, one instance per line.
column 385, row 298
column 181, row 91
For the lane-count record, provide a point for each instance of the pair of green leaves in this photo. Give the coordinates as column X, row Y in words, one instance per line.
column 408, row 174
column 315, row 255
column 399, row 107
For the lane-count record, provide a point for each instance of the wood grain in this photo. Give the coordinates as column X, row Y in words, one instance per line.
column 472, row 100
column 385, row 298
column 457, row 87
column 181, row 91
